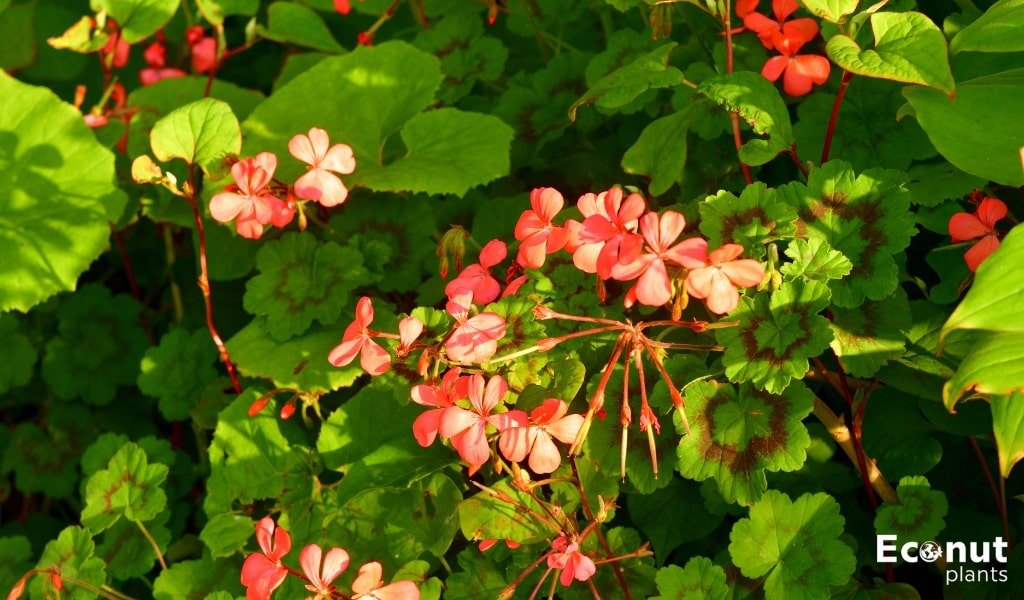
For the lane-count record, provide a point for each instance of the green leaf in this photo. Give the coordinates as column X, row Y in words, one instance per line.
column 138, row 19
column 920, row 515
column 996, row 30
column 448, row 151
column 484, row 517
column 803, row 555
column 866, row 217
column 639, row 572
column 367, row 96
column 867, row 337
column 738, row 433
column 128, row 487
column 1008, row 426
column 299, row 363
column 72, row 553
column 622, row 86
column 226, row 534
column 126, row 550
column 214, row 11
column 990, row 305
column 15, row 559
column 671, row 516
column 701, row 579
column 909, row 48
column 752, row 220
column 47, row 460
column 57, row 196
column 897, row 435
column 202, row 133
column 932, row 184
column 776, row 335
column 815, row 260
column 660, row 151
column 293, row 23
column 993, row 365
column 20, row 50
column 17, row 369
column 876, row 590
column 194, row 579
column 178, row 370
column 467, row 55
column 759, row 104
column 252, row 458
column 477, row 577
column 108, row 327
column 301, row 280
column 972, row 131
column 833, row 11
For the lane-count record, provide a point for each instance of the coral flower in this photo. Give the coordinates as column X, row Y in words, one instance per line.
column 980, row 226
column 537, row 235
column 453, row 387
column 321, row 577
column 369, row 586
column 477, row 277
column 343, row 6
column 475, row 338
column 357, row 340
column 467, row 429
column 799, row 73
column 409, row 330
column 609, row 225
column 547, row 421
column 249, row 201
column 654, row 287
column 263, row 573
column 717, row 282
column 320, row 182
column 798, row 30
column 566, row 556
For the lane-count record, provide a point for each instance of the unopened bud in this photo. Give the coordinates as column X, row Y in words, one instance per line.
column 541, row 312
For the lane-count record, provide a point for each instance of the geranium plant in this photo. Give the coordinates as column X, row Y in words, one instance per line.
column 414, row 299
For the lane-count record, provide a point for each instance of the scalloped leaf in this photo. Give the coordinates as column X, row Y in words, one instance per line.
column 197, row 578
column 909, row 48
column 177, row 371
column 739, row 432
column 805, row 555
column 18, row 368
column 73, row 553
column 625, row 84
column 867, row 337
column 815, row 260
column 920, row 515
column 758, row 103
column 866, row 217
column 126, row 550
column 751, row 220
column 301, row 279
column 227, row 534
column 15, row 559
column 700, row 579
column 129, row 487
column 776, row 335
column 466, row 54
column 993, row 365
column 57, row 195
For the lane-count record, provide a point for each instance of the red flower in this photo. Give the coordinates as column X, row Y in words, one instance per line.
column 453, row 387
column 654, row 287
column 716, row 283
column 343, row 6
column 475, row 338
column 567, row 557
column 981, row 226
column 609, row 226
column 477, row 277
column 357, row 340
column 801, row 72
column 537, row 235
column 467, row 429
column 263, row 573
column 797, row 31
column 250, row 202
column 547, row 421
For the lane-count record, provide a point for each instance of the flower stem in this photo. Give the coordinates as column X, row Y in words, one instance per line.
column 841, row 434
column 843, row 84
column 152, row 542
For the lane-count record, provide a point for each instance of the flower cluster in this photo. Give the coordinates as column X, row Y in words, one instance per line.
column 799, row 72
column 978, row 227
column 202, row 50
column 256, row 199
column 263, row 572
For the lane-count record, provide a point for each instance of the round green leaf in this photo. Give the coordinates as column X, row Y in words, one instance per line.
column 203, row 133
column 138, row 19
column 920, row 515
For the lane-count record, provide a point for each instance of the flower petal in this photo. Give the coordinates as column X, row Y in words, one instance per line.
column 340, row 159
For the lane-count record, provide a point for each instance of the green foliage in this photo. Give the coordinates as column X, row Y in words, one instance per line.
column 215, row 10
column 919, row 516
column 501, row 514
column 751, row 220
column 700, row 579
column 17, row 371
column 815, row 260
column 293, row 23
column 178, row 370
column 805, row 556
column 759, row 104
column 994, row 31
column 202, row 133
column 47, row 153
column 660, row 151
column 129, row 487
column 1008, row 428
column 866, row 338
column 622, row 86
column 835, row 11
column 73, row 553
column 138, row 19
column 988, row 306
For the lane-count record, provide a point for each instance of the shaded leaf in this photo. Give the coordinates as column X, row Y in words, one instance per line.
column 1008, row 427
column 138, row 19
column 920, row 515
column 701, row 579
column 293, row 23
column 660, row 151
column 621, row 86
column 178, row 370
column 815, row 260
column 73, row 553
column 759, row 104
column 996, row 30
column 867, row 337
column 751, row 220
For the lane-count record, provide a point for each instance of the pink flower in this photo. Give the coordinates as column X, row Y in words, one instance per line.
column 477, row 277
column 486, row 545
column 801, row 72
column 654, row 287
column 369, row 586
column 320, row 578
column 717, row 282
column 453, row 387
column 803, row 30
column 475, row 339
column 263, row 573
column 981, row 226
column 204, row 55
column 537, row 235
column 547, row 421
column 250, row 201
column 409, row 330
column 152, row 75
column 320, row 182
column 513, row 287
column 358, row 340
column 567, row 557
column 467, row 429
column 608, row 227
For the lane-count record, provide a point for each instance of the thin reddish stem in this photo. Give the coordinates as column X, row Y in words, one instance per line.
column 1000, row 506
column 832, row 118
column 733, row 116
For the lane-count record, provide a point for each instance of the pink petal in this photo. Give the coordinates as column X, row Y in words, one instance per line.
column 528, row 224
column 364, row 312
column 513, row 287
column 321, row 186
column 409, row 330
column 566, row 428
column 345, row 352
column 493, row 394
column 583, row 568
column 744, row 273
column 425, row 427
column 255, row 567
column 690, row 253
column 631, row 210
column 814, row 67
column 546, row 202
column 248, row 226
column 225, row 206
column 794, row 82
column 980, row 251
column 632, row 270
column 514, row 442
column 774, row 67
column 399, row 590
column 545, row 457
column 784, row 8
column 472, row 445
column 340, row 159
column 335, row 563
column 301, row 147
column 454, row 420
column 459, row 303
column 550, row 410
column 368, row 579
column 723, row 296
column 309, row 560
column 374, row 359
column 585, row 257
column 653, row 288
column 492, row 253
column 532, row 256
column 266, row 163
column 724, row 254
column 698, row 282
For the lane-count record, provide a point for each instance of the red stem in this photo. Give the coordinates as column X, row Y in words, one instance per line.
column 992, row 486
column 733, row 116
column 843, row 84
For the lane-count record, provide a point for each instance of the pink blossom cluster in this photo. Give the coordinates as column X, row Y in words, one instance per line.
column 256, row 199
column 263, row 572
column 202, row 52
